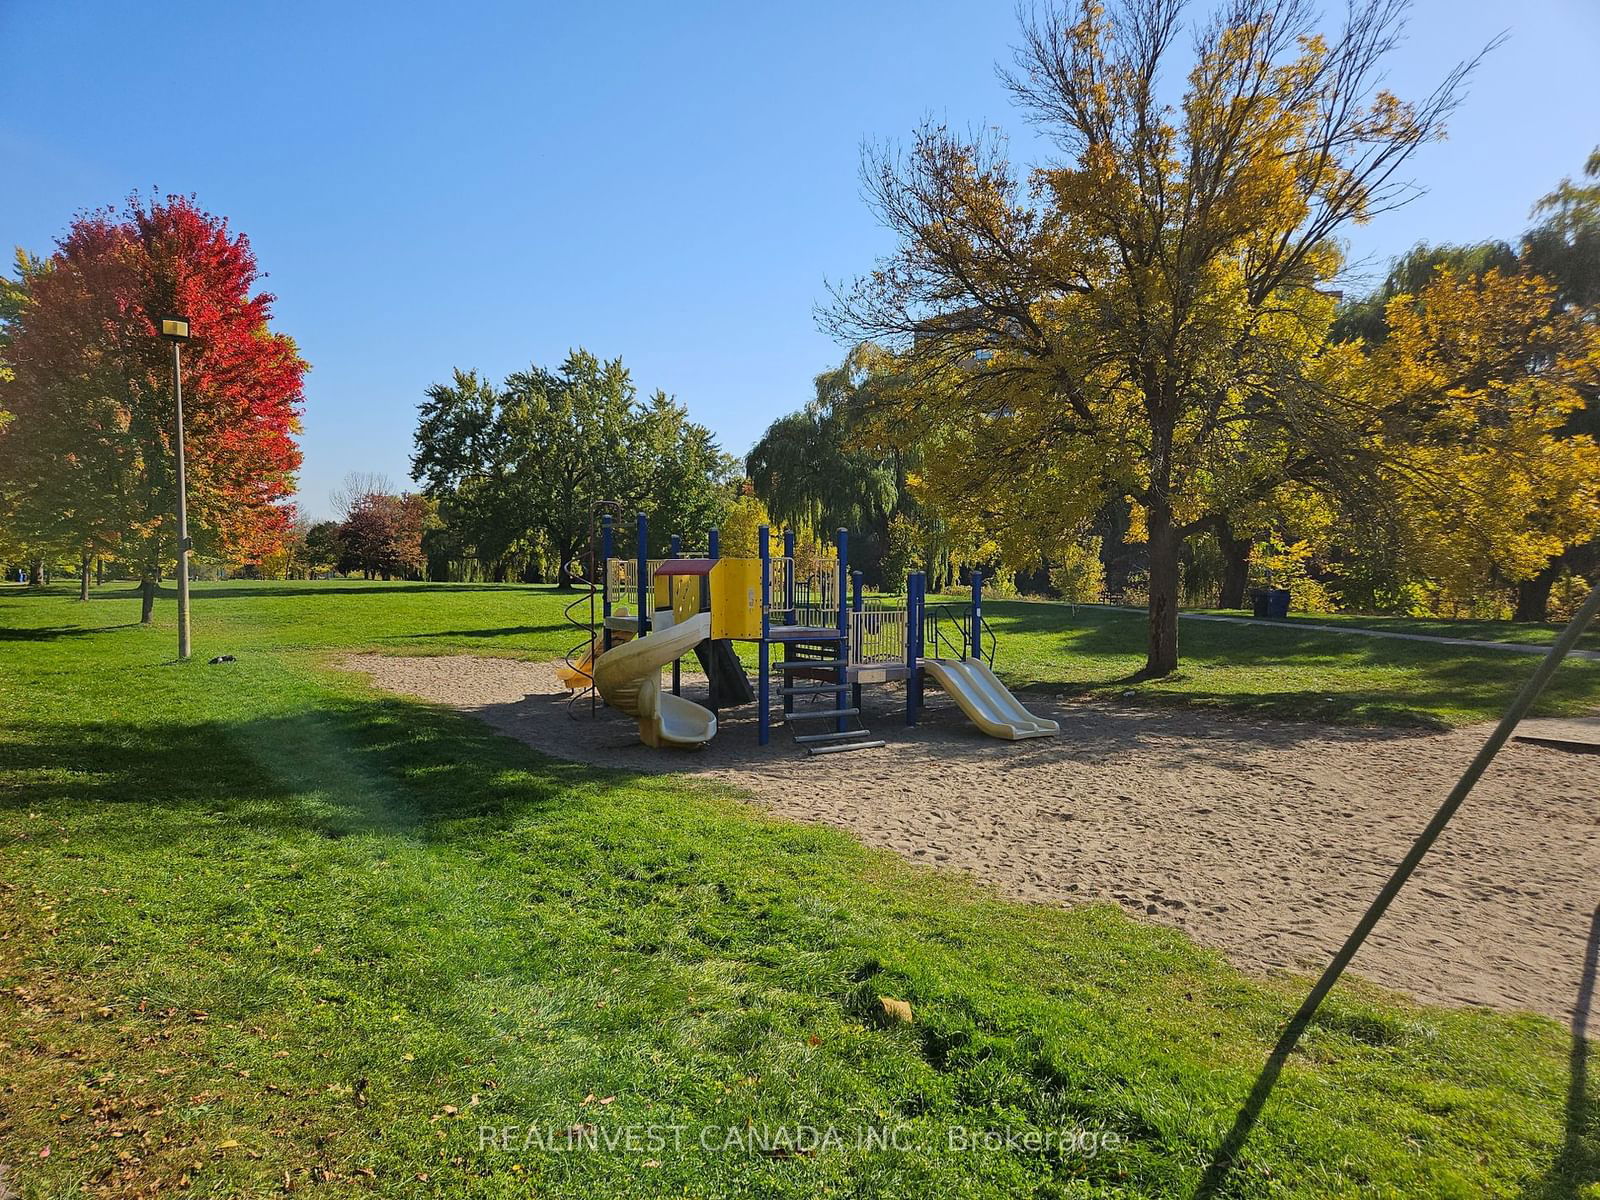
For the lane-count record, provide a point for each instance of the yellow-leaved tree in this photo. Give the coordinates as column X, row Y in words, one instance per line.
column 1146, row 315
column 1479, row 379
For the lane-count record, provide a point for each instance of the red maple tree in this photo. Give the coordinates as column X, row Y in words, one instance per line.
column 89, row 447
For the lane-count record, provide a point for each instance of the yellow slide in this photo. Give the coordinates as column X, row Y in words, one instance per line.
column 579, row 674
column 987, row 701
column 628, row 678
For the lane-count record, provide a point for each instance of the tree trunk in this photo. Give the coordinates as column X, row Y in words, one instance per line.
column 1533, row 595
column 83, row 578
column 36, row 573
column 1235, row 567
column 99, row 571
column 147, row 598
column 1164, row 544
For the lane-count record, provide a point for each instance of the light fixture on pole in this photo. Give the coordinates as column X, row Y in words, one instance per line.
column 176, row 331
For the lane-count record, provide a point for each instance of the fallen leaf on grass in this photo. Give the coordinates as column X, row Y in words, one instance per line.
column 896, row 1010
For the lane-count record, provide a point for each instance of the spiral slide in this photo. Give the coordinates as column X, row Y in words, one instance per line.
column 581, row 673
column 628, row 678
column 986, row 701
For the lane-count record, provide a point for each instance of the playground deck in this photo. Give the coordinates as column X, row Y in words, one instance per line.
column 802, row 633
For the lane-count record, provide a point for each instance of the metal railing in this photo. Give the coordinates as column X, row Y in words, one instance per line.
column 583, row 649
column 622, row 579
column 878, row 635
column 947, row 630
column 816, row 595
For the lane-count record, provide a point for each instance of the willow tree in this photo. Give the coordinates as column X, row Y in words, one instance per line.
column 1147, row 315
column 812, row 473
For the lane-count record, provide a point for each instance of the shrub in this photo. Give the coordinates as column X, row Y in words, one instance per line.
column 1080, row 576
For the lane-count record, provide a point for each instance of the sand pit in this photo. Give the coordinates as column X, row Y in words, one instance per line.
column 1265, row 840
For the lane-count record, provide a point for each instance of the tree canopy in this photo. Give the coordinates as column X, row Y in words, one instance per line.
column 517, row 468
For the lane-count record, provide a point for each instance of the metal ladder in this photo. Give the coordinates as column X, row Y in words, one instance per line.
column 820, row 654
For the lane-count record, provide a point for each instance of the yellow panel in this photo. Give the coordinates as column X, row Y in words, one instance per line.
column 685, row 597
column 663, row 591
column 736, row 598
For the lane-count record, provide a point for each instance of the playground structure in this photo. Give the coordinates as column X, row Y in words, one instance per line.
column 818, row 642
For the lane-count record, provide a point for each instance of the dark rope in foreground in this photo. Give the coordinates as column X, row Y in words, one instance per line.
column 1222, row 1162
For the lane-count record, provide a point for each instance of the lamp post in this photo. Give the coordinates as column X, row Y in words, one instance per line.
column 176, row 331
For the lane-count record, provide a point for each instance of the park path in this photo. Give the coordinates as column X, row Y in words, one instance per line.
column 1361, row 631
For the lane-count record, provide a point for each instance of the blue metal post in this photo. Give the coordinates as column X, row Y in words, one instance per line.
column 764, row 648
column 715, row 547
column 645, row 581
column 856, row 605
column 607, row 536
column 677, row 664
column 788, row 575
column 913, row 644
column 844, row 626
column 976, row 619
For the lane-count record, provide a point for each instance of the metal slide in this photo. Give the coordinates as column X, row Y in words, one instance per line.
column 628, row 678
column 986, row 701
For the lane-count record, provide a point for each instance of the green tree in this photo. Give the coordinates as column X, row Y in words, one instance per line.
column 323, row 548
column 526, row 461
column 1365, row 317
column 1564, row 247
column 822, row 468
column 807, row 470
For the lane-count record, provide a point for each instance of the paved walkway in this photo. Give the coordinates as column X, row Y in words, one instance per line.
column 1359, row 631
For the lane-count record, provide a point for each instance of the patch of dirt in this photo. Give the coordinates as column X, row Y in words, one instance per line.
column 1265, row 840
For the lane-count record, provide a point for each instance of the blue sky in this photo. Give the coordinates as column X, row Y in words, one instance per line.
column 486, row 185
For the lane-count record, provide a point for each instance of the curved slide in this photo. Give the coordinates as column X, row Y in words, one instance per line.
column 987, row 701
column 581, row 673
column 628, row 678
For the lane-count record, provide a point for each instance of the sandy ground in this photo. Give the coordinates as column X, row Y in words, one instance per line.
column 1265, row 840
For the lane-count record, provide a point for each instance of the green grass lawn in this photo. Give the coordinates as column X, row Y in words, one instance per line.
column 1277, row 671
column 1460, row 627
column 264, row 929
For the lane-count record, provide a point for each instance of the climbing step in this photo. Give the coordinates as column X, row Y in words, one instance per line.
column 818, row 714
column 811, row 689
column 808, row 738
column 808, row 664
column 846, row 747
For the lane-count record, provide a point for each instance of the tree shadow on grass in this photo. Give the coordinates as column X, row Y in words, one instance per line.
column 229, row 591
column 348, row 767
column 1578, row 1164
column 51, row 633
column 504, row 631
